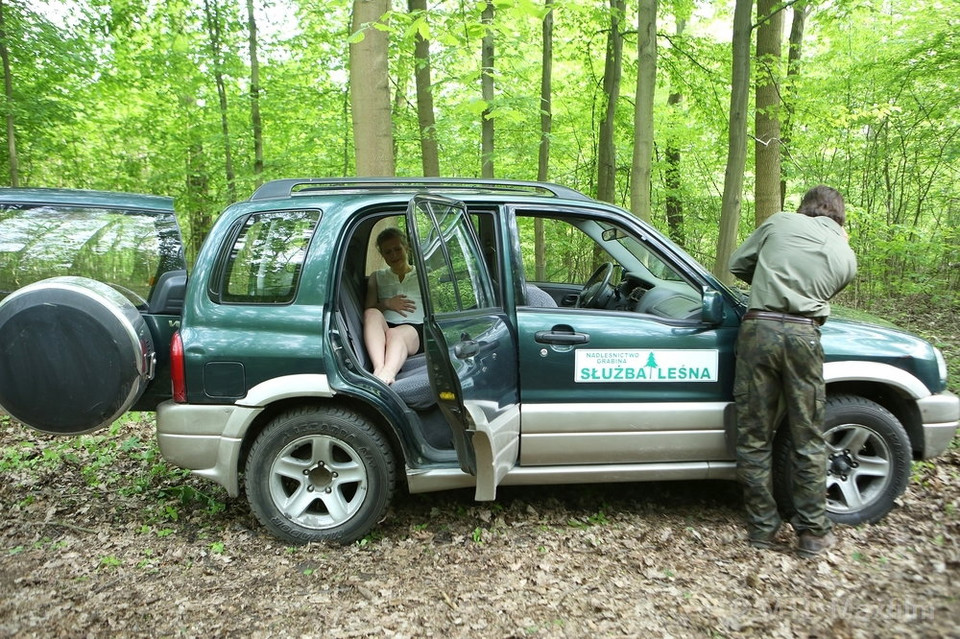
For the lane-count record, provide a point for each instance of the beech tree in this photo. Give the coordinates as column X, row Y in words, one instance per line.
column 612, row 71
column 640, row 183
column 546, row 127
column 370, row 90
column 133, row 97
column 767, row 110
column 8, row 105
column 794, row 54
column 213, row 21
column 673, row 201
column 736, row 140
column 255, row 120
column 487, row 91
column 429, row 151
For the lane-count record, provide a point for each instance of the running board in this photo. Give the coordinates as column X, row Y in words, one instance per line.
column 437, row 479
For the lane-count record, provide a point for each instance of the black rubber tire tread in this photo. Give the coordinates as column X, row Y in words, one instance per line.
column 337, row 422
column 848, row 409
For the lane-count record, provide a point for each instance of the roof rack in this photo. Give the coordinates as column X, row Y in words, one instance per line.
column 291, row 187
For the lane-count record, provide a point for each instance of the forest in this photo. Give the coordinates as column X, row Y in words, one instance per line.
column 702, row 117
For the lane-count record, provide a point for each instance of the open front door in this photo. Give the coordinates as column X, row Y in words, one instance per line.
column 471, row 349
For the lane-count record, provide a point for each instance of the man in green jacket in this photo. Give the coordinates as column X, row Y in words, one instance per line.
column 795, row 262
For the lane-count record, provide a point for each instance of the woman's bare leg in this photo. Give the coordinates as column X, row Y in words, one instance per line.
column 402, row 341
column 375, row 337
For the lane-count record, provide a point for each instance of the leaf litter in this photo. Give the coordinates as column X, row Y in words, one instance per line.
column 136, row 549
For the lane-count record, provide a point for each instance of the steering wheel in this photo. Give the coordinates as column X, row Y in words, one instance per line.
column 598, row 290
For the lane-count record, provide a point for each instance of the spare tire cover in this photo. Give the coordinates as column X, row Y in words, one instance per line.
column 74, row 355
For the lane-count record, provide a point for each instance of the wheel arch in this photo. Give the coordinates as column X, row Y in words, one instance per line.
column 280, row 406
column 900, row 403
column 894, row 388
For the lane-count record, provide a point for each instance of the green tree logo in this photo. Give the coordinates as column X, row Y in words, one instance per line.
column 651, row 362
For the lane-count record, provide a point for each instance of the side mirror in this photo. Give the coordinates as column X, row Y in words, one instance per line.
column 712, row 312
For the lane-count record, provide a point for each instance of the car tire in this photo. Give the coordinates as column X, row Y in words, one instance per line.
column 320, row 474
column 868, row 461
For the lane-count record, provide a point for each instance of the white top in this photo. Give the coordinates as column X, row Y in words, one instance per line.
column 389, row 285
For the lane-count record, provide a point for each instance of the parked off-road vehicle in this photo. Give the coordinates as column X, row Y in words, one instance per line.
column 607, row 358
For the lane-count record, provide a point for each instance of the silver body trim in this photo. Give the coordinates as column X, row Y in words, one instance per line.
column 432, row 480
column 559, row 443
column 207, row 438
column 940, row 415
column 874, row 372
column 574, row 434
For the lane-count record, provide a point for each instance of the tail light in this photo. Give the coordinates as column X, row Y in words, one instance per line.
column 177, row 375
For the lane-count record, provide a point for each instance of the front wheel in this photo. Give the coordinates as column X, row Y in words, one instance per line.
column 868, row 461
column 320, row 474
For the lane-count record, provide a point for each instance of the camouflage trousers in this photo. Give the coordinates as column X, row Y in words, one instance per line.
column 781, row 362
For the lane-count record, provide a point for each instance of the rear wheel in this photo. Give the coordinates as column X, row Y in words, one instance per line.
column 320, row 474
column 868, row 461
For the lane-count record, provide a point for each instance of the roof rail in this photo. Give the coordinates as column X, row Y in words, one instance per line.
column 291, row 187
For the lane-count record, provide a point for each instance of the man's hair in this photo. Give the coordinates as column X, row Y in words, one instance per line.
column 823, row 200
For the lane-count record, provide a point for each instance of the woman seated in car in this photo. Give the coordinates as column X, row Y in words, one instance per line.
column 393, row 320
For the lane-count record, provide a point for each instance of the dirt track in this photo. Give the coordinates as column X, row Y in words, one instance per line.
column 101, row 539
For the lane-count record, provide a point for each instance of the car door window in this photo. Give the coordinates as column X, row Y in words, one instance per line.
column 456, row 273
column 577, row 245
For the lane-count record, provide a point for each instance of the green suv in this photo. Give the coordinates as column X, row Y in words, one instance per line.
column 565, row 342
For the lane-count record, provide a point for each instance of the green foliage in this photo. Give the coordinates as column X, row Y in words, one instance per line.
column 122, row 96
column 122, row 462
column 597, row 519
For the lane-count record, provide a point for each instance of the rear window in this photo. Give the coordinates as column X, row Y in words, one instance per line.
column 127, row 249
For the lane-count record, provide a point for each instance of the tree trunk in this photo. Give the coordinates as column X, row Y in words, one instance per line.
column 674, row 201
column 429, row 152
column 198, row 205
column 737, row 141
column 215, row 33
column 8, row 94
column 255, row 120
column 800, row 11
column 767, row 114
column 198, row 199
column 487, row 88
column 546, row 128
column 607, row 153
column 370, row 92
column 546, row 97
column 640, row 178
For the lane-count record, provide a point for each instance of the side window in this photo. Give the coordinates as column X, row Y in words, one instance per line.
column 571, row 257
column 128, row 249
column 456, row 274
column 266, row 257
column 574, row 246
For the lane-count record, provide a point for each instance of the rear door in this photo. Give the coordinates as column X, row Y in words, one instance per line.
column 470, row 346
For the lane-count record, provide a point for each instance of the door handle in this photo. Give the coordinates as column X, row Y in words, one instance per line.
column 466, row 349
column 561, row 337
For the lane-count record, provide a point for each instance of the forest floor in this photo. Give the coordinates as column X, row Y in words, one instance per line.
column 100, row 538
